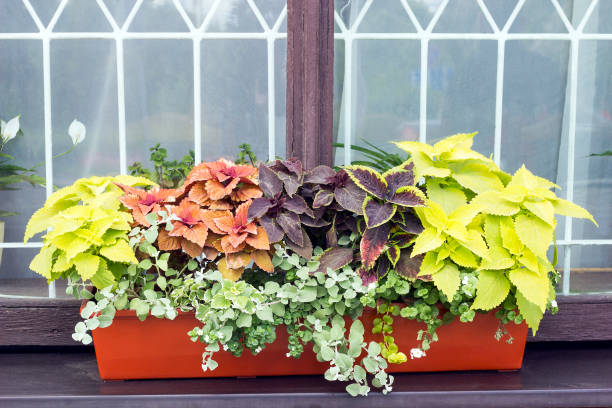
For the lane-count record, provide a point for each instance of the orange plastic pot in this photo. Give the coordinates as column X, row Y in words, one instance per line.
column 160, row 348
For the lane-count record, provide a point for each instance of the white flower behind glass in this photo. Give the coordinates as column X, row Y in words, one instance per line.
column 77, row 132
column 8, row 130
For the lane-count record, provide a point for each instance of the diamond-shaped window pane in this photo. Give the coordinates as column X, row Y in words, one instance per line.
column 82, row 16
column 537, row 16
column 120, row 9
column 500, row 10
column 462, row 16
column 386, row 17
column 234, row 16
column 270, row 10
column 14, row 18
column 44, row 9
column 158, row 16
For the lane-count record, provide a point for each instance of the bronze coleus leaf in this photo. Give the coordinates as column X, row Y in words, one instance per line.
column 373, row 243
column 377, row 213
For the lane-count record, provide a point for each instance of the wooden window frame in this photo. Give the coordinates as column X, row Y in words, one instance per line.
column 310, row 67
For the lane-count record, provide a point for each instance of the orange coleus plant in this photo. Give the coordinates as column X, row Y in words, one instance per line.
column 208, row 214
column 142, row 202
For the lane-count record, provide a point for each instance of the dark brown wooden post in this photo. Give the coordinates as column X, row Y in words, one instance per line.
column 310, row 76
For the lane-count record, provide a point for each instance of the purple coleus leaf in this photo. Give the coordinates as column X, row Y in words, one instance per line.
column 393, row 253
column 291, row 182
column 402, row 239
column 368, row 180
column 314, row 222
column 259, row 207
column 409, row 267
column 368, row 276
column 410, row 223
column 269, row 182
column 293, row 166
column 297, row 204
column 323, row 198
column 320, row 175
column 350, row 197
column 397, row 178
column 373, row 243
column 408, row 196
column 382, row 266
column 377, row 213
column 335, row 258
column 291, row 224
column 273, row 230
column 304, row 250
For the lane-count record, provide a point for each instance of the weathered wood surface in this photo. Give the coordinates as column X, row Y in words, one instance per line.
column 50, row 322
column 310, row 80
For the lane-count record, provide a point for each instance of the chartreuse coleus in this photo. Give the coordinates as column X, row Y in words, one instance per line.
column 480, row 218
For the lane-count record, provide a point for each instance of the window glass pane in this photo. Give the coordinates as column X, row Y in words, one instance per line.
column 526, row 118
column 132, row 90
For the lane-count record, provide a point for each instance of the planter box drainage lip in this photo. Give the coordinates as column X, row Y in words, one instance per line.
column 563, row 375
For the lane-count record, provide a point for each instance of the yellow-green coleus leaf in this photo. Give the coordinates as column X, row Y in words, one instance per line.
column 120, row 251
column 492, row 231
column 475, row 243
column 532, row 285
column 456, row 142
column 498, row 259
column 491, row 202
column 432, row 215
column 430, row 264
column 491, row 290
column 449, row 197
column 527, row 179
column 426, row 241
column 476, row 177
column 71, row 244
column 534, row 233
column 542, row 209
column 464, row 257
column 570, row 209
column 103, row 276
column 510, row 239
column 425, row 166
column 41, row 264
column 531, row 312
column 447, row 279
column 86, row 264
column 62, row 263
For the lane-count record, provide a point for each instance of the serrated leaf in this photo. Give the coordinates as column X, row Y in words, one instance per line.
column 492, row 289
column 377, row 213
column 393, row 253
column 86, row 265
column 534, row 233
column 476, row 177
column 542, row 209
column 335, row 258
column 426, row 241
column 447, row 280
column 531, row 312
column 492, row 231
column 570, row 209
column 408, row 196
column 42, row 262
column 491, row 202
column 464, row 257
column 120, row 251
column 450, row 198
column 475, row 243
column 497, row 259
column 373, row 243
column 368, row 180
column 532, row 285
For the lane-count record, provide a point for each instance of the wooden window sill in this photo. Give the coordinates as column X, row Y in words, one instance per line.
column 553, row 375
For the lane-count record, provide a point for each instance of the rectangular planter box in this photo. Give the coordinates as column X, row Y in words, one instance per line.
column 160, row 348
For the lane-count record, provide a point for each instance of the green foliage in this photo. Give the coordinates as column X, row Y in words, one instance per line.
column 166, row 173
column 482, row 219
column 603, row 154
column 11, row 174
column 246, row 155
column 87, row 231
column 377, row 158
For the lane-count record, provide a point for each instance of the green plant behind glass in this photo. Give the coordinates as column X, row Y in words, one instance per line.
column 11, row 174
column 166, row 173
column 376, row 157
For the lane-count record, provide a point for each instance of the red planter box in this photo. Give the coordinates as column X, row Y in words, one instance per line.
column 160, row 348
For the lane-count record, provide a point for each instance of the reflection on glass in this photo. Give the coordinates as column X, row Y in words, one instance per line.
column 234, row 97
column 158, row 97
column 84, row 88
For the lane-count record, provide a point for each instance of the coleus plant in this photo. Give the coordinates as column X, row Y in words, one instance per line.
column 479, row 218
column 87, row 231
column 208, row 217
column 387, row 209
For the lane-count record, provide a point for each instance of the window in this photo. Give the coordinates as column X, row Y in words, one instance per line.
column 205, row 75
column 533, row 77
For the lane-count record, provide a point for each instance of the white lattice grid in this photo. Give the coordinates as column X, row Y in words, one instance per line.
column 119, row 33
column 501, row 35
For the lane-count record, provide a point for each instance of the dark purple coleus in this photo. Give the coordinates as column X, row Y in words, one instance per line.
column 389, row 197
column 280, row 209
